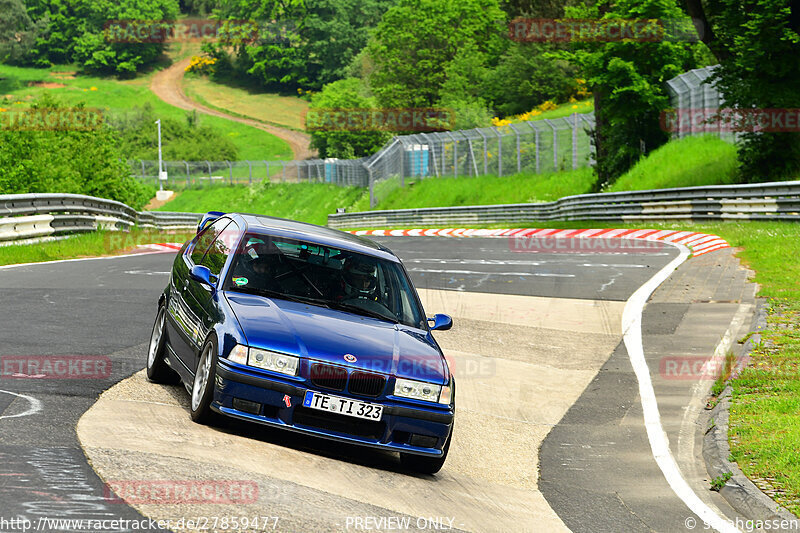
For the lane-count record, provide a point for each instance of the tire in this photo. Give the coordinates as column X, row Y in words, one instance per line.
column 203, row 387
column 157, row 369
column 426, row 465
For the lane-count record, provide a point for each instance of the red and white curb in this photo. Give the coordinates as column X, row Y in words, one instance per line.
column 163, row 247
column 698, row 243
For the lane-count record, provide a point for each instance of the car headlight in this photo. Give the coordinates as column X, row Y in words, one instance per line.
column 418, row 390
column 276, row 362
column 238, row 354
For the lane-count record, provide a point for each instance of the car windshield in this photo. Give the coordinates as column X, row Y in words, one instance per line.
column 320, row 275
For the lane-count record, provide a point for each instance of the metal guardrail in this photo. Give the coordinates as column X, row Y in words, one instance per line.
column 763, row 201
column 25, row 216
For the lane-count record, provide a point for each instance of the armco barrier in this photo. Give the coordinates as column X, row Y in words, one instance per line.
column 25, row 216
column 763, row 201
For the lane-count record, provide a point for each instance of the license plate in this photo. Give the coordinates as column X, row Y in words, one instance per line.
column 342, row 406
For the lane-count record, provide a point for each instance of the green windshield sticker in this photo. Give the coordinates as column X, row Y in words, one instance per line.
column 240, row 281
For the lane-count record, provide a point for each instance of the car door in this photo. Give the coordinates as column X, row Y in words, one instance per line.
column 183, row 324
column 202, row 301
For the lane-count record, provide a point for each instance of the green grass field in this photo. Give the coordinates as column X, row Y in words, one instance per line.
column 673, row 165
column 567, row 109
column 276, row 109
column 685, row 162
column 308, row 202
column 19, row 86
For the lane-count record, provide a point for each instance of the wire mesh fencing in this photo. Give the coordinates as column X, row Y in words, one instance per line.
column 198, row 174
column 695, row 103
column 532, row 147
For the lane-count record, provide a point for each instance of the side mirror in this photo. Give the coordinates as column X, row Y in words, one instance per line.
column 201, row 274
column 441, row 322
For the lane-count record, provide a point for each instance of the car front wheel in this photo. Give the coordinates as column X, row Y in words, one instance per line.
column 157, row 369
column 203, row 387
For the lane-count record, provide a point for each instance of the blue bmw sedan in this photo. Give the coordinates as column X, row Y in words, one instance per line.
column 305, row 328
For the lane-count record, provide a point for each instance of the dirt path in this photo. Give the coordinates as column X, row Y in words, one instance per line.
column 167, row 86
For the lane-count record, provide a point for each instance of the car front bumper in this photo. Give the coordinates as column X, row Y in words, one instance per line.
column 254, row 398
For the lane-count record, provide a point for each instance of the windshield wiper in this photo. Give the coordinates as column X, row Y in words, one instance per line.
column 361, row 311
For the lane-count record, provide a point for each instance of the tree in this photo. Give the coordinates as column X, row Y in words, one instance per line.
column 416, row 40
column 306, row 44
column 347, row 94
column 527, row 74
column 758, row 46
column 70, row 158
column 82, row 31
column 18, row 33
column 182, row 140
column 627, row 78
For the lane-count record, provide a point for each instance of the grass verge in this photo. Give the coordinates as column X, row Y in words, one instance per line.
column 687, row 162
column 19, row 86
column 308, row 202
column 247, row 102
column 94, row 244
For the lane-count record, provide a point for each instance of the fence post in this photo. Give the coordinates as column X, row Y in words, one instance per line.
column 283, row 179
column 574, row 141
column 455, row 154
column 532, row 124
column 519, row 158
column 230, row 173
column 267, row 164
column 431, row 153
column 555, row 144
column 188, row 175
column 250, row 167
column 210, row 180
column 403, row 162
column 372, row 201
column 485, row 157
column 499, row 152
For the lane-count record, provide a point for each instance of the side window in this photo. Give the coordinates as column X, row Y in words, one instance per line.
column 220, row 249
column 206, row 238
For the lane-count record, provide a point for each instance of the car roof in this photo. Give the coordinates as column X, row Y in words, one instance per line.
column 311, row 232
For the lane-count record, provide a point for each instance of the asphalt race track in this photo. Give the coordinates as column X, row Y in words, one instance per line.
column 549, row 432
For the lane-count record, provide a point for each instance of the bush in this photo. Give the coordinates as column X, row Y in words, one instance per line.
column 525, row 77
column 76, row 31
column 67, row 161
column 188, row 140
column 345, row 94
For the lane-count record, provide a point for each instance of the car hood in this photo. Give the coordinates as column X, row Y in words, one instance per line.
column 329, row 334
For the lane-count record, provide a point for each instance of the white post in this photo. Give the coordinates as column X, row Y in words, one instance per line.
column 160, row 167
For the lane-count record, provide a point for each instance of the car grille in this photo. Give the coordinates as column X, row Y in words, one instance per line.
column 366, row 384
column 304, row 416
column 328, row 377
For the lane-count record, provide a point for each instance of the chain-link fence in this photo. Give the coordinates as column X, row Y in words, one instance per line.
column 695, row 101
column 534, row 147
column 195, row 174
column 537, row 146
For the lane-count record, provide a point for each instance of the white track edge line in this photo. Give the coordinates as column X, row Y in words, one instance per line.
column 35, row 407
column 659, row 442
column 5, row 267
